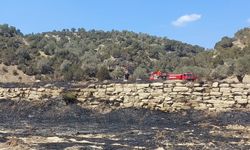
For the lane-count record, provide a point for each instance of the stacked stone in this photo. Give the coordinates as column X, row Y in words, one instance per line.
column 164, row 96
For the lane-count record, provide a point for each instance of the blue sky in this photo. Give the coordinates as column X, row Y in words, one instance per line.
column 200, row 22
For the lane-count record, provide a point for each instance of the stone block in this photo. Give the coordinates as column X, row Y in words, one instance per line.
column 239, row 85
column 141, row 86
column 215, row 84
column 237, row 89
column 224, row 85
column 167, row 89
column 144, row 95
column 157, row 84
column 197, row 93
column 178, row 84
column 215, row 93
column 199, row 89
column 242, row 101
column 225, row 89
column 180, row 89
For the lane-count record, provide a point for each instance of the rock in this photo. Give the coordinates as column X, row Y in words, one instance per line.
column 41, row 89
column 199, row 89
column 82, row 99
column 206, row 98
column 160, row 148
column 201, row 106
column 242, row 101
column 110, row 89
column 215, row 93
column 151, row 105
column 224, row 85
column 167, row 89
column 128, row 105
column 226, row 94
column 118, row 89
column 247, row 86
column 197, row 93
column 48, row 85
column 157, row 84
column 215, row 89
column 178, row 104
column 127, row 90
column 197, row 85
column 157, row 94
column 215, row 84
column 223, row 104
column 180, row 89
column 168, row 99
column 141, row 86
column 239, row 85
column 237, row 90
column 225, row 89
column 144, row 95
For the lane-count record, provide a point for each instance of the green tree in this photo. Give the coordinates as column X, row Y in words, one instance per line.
column 140, row 73
column 220, row 72
column 242, row 67
column 118, row 73
column 103, row 74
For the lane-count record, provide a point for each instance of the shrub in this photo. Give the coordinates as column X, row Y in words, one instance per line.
column 140, row 73
column 103, row 74
column 15, row 73
column 69, row 98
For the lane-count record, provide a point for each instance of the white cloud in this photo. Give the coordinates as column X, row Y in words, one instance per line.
column 183, row 20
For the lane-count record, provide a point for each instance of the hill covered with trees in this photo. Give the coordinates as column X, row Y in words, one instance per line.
column 77, row 54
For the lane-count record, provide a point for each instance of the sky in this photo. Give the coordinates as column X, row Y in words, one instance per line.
column 197, row 22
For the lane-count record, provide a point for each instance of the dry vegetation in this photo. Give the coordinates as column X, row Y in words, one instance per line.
column 13, row 74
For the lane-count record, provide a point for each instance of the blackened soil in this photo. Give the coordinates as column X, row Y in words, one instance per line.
column 119, row 129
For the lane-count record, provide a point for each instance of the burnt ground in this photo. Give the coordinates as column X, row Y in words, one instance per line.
column 53, row 124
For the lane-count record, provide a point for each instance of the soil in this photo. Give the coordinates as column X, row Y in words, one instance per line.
column 9, row 74
column 53, row 124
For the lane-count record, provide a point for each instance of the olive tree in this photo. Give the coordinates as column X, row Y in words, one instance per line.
column 242, row 67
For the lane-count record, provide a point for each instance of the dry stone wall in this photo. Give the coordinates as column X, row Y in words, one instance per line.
column 167, row 96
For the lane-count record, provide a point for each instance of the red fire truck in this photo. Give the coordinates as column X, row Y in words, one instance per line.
column 171, row 76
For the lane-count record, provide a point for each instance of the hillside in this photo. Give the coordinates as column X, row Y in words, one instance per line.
column 233, row 55
column 12, row 74
column 77, row 54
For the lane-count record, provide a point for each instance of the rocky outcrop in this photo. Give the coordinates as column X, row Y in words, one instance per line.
column 167, row 96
